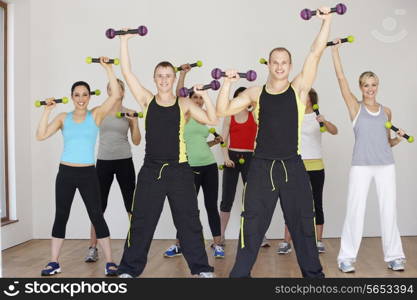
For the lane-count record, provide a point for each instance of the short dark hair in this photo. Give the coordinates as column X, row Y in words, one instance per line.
column 314, row 98
column 164, row 64
column 280, row 49
column 238, row 91
column 80, row 83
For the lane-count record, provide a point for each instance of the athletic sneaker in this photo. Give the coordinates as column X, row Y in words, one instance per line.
column 206, row 275
column 218, row 251
column 125, row 275
column 346, row 267
column 51, row 268
column 92, row 255
column 396, row 264
column 320, row 247
column 284, row 248
column 265, row 243
column 173, row 251
column 108, row 271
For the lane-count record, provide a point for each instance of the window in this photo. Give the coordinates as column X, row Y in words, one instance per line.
column 4, row 203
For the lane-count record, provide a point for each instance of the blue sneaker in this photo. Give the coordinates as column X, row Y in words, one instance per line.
column 173, row 251
column 218, row 251
column 50, row 269
column 109, row 271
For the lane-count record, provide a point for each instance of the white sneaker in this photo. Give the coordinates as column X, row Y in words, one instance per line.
column 346, row 267
column 206, row 275
column 125, row 275
column 396, row 264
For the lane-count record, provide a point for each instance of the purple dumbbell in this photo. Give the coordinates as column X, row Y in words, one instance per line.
column 214, row 85
column 249, row 75
column 306, row 14
column 141, row 30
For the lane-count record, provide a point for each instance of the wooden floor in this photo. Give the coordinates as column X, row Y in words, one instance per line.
column 27, row 260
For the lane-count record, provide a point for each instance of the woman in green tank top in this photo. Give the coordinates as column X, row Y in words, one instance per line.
column 204, row 166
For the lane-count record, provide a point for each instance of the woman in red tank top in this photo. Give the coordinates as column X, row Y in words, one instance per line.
column 240, row 131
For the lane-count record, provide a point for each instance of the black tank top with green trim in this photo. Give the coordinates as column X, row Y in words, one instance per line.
column 279, row 118
column 164, row 132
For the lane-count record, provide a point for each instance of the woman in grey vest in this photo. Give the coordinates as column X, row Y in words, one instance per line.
column 372, row 159
column 115, row 158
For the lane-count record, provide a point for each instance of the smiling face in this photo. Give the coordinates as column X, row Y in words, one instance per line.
column 369, row 83
column 279, row 64
column 164, row 77
column 81, row 97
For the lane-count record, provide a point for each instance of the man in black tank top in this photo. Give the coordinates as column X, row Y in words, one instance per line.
column 276, row 169
column 165, row 172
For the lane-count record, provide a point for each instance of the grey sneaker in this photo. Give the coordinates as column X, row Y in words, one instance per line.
column 206, row 275
column 125, row 275
column 284, row 248
column 396, row 264
column 320, row 247
column 92, row 255
column 346, row 267
column 265, row 243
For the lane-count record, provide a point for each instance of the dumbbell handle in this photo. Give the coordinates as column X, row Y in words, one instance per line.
column 55, row 100
column 242, row 75
column 97, row 60
column 318, row 113
column 132, row 31
column 134, row 115
column 344, row 40
column 406, row 136
column 332, row 10
column 217, row 135
column 191, row 66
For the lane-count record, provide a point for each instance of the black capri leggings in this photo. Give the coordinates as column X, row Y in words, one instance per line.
column 125, row 175
column 207, row 177
column 231, row 176
column 317, row 183
column 68, row 180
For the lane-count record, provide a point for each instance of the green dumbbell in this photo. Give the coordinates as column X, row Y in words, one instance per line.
column 316, row 110
column 134, row 115
column 263, row 61
column 241, row 160
column 349, row 39
column 409, row 138
column 90, row 60
column 95, row 93
column 198, row 63
column 213, row 131
column 63, row 100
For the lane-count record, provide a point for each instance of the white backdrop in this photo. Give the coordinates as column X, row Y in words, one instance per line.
column 225, row 34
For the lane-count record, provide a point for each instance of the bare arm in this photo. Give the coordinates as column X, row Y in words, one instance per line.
column 181, row 80
column 224, row 106
column 100, row 112
column 134, row 129
column 331, row 128
column 207, row 116
column 350, row 100
column 45, row 129
column 225, row 134
column 304, row 81
column 141, row 94
column 392, row 141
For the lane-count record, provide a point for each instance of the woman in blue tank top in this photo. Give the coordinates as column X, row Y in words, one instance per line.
column 76, row 170
column 372, row 159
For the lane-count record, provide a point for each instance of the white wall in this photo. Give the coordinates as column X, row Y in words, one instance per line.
column 20, row 144
column 222, row 34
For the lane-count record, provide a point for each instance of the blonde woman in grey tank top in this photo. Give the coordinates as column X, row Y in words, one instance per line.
column 115, row 159
column 372, row 159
